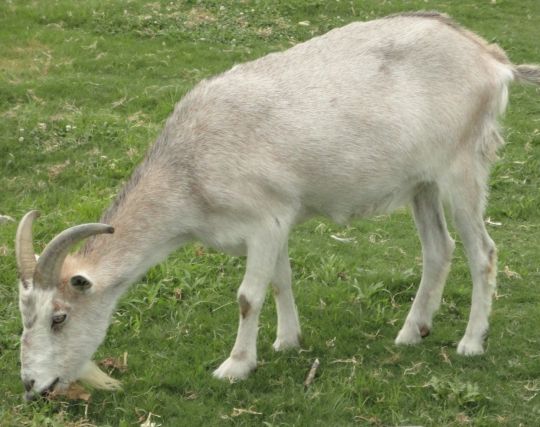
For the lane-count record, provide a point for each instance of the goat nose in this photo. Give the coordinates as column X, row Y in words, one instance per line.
column 28, row 384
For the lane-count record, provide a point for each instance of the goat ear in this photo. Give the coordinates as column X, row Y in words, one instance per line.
column 80, row 283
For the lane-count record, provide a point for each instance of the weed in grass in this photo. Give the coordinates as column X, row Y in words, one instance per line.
column 450, row 392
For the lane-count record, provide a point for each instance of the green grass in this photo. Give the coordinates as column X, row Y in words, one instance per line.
column 86, row 86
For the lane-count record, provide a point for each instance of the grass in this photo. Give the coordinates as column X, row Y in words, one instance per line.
column 86, row 86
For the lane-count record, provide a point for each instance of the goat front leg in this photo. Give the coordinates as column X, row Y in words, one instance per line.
column 262, row 254
column 288, row 326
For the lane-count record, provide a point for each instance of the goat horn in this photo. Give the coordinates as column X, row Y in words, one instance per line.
column 49, row 264
column 24, row 248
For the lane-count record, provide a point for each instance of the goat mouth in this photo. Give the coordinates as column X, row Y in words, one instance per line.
column 46, row 392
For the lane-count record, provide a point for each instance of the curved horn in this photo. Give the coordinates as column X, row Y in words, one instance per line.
column 24, row 248
column 50, row 262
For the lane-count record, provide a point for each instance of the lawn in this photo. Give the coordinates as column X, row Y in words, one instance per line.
column 85, row 87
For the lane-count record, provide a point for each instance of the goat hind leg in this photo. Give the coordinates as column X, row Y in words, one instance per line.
column 437, row 249
column 482, row 256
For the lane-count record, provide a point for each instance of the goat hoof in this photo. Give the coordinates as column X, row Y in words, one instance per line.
column 282, row 344
column 234, row 369
column 425, row 331
column 470, row 347
column 408, row 336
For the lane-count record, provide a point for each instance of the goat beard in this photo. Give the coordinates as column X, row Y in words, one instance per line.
column 91, row 376
column 96, row 378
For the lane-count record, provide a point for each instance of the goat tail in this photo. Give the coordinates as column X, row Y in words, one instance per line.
column 528, row 73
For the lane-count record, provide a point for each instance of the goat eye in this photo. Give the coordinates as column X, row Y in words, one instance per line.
column 58, row 319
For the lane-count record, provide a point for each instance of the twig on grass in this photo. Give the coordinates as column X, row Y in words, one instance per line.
column 311, row 373
column 240, row 411
column 343, row 239
column 6, row 218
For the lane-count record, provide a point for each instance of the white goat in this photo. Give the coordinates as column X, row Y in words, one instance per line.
column 359, row 121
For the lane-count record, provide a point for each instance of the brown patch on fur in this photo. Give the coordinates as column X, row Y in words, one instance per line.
column 71, row 267
column 424, row 331
column 485, row 140
column 493, row 50
column 241, row 355
column 491, row 268
column 245, row 306
column 498, row 53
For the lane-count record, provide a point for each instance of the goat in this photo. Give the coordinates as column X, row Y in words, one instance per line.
column 359, row 121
